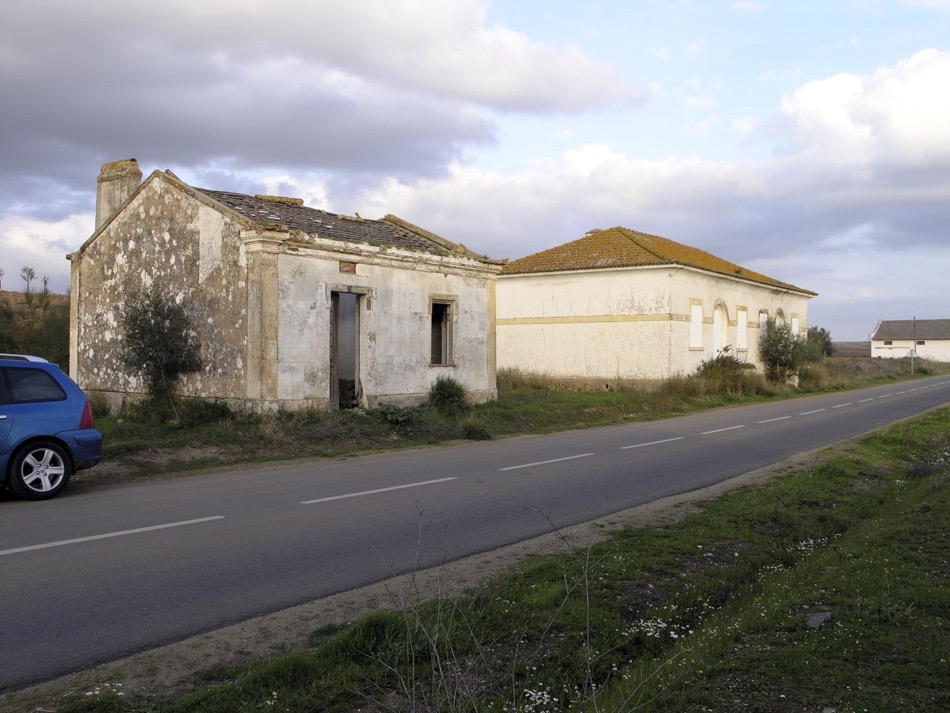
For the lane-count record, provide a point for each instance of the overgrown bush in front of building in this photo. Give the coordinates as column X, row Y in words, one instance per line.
column 449, row 396
column 160, row 343
column 398, row 416
column 187, row 413
column 781, row 350
column 726, row 373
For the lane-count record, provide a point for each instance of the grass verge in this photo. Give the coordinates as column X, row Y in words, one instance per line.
column 152, row 439
column 823, row 590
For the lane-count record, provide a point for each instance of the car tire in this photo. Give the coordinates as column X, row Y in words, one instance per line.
column 40, row 471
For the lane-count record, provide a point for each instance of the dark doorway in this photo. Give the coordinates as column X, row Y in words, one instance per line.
column 344, row 349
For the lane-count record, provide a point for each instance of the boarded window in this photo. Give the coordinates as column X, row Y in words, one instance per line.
column 441, row 333
column 695, row 326
column 742, row 322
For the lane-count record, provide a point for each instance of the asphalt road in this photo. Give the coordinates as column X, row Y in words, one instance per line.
column 98, row 574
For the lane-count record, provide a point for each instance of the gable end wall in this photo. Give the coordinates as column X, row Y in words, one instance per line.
column 194, row 253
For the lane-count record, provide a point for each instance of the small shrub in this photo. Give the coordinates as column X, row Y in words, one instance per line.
column 726, row 373
column 397, row 416
column 448, row 396
column 813, row 377
column 159, row 343
column 198, row 411
column 475, row 432
column 100, row 407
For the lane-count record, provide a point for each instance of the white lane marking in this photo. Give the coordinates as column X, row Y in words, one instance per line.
column 652, row 443
column 546, row 462
column 374, row 492
column 769, row 420
column 809, row 413
column 885, row 396
column 861, row 401
column 910, row 391
column 110, row 534
column 900, row 392
column 720, row 430
column 843, row 405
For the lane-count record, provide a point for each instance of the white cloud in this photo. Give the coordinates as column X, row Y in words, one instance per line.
column 746, row 126
column 41, row 245
column 438, row 48
column 857, row 235
column 701, row 128
column 696, row 47
column 899, row 116
column 379, row 107
column 700, row 102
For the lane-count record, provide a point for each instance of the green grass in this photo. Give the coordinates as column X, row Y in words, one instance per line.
column 709, row 613
column 154, row 439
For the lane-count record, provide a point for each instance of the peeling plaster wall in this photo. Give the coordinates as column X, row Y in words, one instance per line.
column 394, row 291
column 628, row 323
column 195, row 254
column 262, row 306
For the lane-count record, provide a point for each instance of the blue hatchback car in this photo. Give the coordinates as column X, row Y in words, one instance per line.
column 46, row 428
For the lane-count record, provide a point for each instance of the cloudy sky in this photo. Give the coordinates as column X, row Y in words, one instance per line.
column 809, row 140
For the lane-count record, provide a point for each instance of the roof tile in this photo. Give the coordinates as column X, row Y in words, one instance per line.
column 291, row 214
column 621, row 247
column 912, row 329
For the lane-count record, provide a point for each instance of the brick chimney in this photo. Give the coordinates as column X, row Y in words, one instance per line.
column 117, row 181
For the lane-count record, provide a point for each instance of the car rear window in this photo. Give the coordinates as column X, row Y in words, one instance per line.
column 25, row 386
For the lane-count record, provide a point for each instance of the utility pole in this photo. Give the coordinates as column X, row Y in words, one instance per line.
column 913, row 348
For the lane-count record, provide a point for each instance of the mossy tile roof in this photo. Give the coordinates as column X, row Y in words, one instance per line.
column 291, row 214
column 620, row 247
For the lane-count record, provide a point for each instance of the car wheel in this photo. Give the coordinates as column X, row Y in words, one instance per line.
column 40, row 471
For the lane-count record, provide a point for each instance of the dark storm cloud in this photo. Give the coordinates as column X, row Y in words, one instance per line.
column 308, row 87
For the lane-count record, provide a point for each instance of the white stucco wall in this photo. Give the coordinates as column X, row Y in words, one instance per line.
column 632, row 323
column 395, row 292
column 931, row 349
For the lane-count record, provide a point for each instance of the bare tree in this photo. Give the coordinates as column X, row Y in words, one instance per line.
column 28, row 274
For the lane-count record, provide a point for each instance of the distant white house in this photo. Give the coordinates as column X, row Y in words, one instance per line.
column 623, row 304
column 928, row 338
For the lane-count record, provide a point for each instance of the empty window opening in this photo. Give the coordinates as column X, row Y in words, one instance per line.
column 441, row 333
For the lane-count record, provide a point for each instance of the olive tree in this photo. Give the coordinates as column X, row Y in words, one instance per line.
column 818, row 344
column 781, row 351
column 160, row 343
